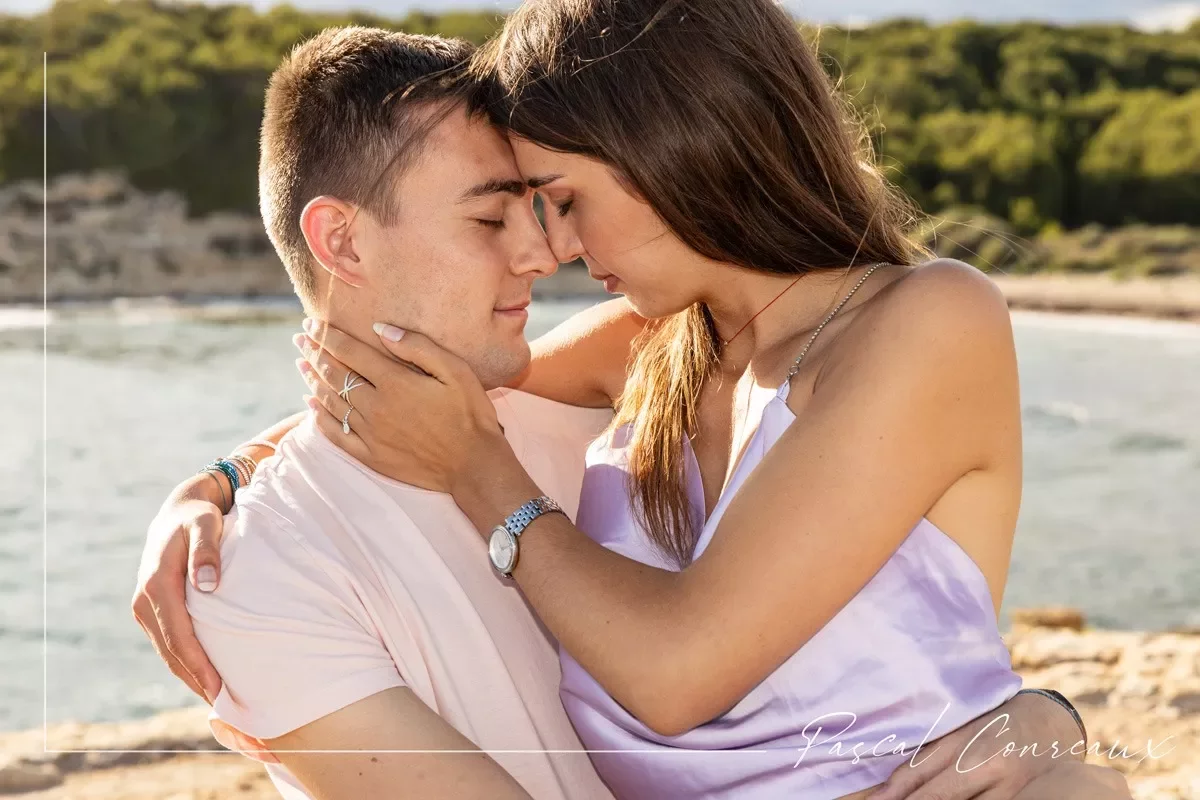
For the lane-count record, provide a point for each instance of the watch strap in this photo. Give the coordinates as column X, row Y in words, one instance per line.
column 519, row 520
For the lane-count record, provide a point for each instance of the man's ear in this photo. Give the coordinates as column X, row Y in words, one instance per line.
column 326, row 224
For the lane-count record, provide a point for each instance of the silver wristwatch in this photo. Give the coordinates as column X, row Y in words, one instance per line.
column 502, row 546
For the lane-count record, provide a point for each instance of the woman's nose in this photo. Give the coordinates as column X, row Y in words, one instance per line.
column 562, row 238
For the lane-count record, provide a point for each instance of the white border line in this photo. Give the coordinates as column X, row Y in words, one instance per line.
column 45, row 416
column 46, row 543
column 791, row 751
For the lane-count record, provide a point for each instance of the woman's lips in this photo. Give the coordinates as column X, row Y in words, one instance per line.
column 610, row 282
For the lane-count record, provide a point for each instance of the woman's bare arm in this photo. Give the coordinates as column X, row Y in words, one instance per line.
column 879, row 443
column 583, row 361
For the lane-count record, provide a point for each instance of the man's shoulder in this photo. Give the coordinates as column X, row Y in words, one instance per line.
column 295, row 489
column 283, row 520
column 531, row 417
column 551, row 440
column 315, row 498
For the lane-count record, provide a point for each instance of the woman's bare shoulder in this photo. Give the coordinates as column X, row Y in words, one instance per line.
column 935, row 319
column 584, row 360
column 947, row 289
column 930, row 302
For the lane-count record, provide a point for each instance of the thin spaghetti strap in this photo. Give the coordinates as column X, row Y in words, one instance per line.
column 783, row 390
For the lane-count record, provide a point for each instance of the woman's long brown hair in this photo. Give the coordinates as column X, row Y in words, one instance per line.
column 721, row 117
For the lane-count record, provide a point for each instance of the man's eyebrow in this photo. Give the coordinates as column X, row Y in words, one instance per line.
column 495, row 186
column 541, row 180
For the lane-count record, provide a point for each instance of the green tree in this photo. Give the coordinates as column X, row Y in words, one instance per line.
column 1144, row 164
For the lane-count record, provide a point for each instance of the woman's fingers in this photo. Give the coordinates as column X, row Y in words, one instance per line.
column 172, row 663
column 160, row 602
column 421, row 352
column 336, row 375
column 327, row 424
column 958, row 783
column 204, row 550
column 330, row 400
column 343, row 352
column 1073, row 780
column 914, row 773
column 179, row 640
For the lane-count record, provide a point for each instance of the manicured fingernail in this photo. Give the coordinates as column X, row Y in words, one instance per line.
column 303, row 366
column 310, row 401
column 206, row 578
column 389, row 332
column 308, row 324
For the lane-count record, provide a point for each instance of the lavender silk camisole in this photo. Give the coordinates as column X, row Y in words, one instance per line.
column 915, row 654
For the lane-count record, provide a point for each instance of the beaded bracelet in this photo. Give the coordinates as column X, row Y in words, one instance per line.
column 229, row 470
column 244, row 466
column 246, row 461
column 226, row 502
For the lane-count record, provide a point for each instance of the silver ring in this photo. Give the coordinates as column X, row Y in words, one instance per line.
column 353, row 381
column 346, row 421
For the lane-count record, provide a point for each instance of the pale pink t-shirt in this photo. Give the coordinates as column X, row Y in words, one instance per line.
column 338, row 583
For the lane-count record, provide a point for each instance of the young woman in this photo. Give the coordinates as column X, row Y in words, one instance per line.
column 793, row 542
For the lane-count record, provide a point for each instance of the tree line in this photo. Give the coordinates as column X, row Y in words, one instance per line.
column 1047, row 127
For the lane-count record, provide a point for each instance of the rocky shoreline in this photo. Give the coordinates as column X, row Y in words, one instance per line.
column 1138, row 692
column 105, row 240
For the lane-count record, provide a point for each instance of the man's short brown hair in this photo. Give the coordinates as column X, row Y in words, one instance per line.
column 340, row 120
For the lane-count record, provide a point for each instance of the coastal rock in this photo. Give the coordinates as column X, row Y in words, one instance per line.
column 1057, row 617
column 104, row 238
column 1053, row 646
column 20, row 776
column 1185, row 701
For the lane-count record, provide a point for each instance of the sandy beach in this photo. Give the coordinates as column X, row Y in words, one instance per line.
column 1139, row 694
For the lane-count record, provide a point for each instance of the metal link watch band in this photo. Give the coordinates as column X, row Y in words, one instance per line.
column 519, row 520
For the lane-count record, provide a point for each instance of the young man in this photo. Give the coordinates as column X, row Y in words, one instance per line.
column 354, row 613
column 355, row 616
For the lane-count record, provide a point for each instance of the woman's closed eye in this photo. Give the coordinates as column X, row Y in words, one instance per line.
column 564, row 208
column 495, row 224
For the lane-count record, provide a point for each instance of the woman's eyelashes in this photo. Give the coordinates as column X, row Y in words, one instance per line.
column 565, row 207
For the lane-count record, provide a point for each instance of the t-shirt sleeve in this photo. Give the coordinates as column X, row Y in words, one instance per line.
column 286, row 631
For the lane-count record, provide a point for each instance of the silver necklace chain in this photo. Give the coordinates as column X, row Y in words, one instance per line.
column 796, row 364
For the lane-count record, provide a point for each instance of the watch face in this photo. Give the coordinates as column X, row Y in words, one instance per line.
column 502, row 549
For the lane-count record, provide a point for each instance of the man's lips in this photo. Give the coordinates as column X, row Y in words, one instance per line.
column 513, row 308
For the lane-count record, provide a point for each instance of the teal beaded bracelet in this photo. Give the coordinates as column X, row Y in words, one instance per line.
column 229, row 470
